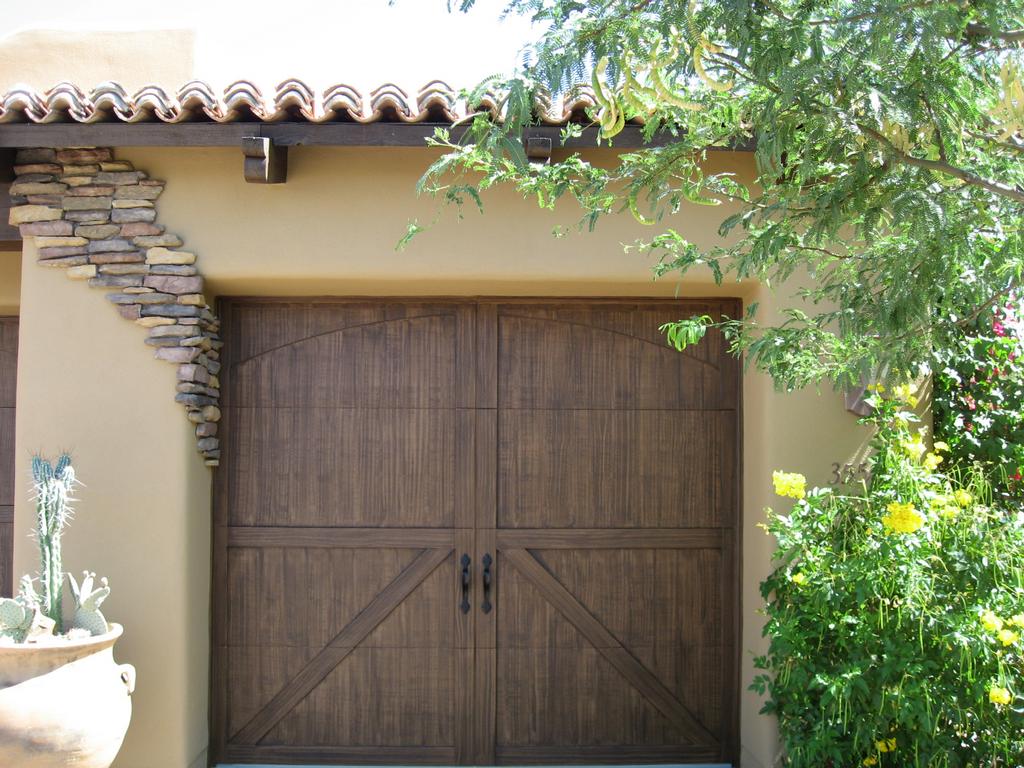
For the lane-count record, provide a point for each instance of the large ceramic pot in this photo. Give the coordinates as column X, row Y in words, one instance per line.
column 64, row 704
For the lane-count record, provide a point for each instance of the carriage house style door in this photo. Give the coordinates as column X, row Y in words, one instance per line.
column 475, row 532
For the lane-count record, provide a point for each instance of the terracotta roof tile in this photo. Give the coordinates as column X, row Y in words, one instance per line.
column 293, row 100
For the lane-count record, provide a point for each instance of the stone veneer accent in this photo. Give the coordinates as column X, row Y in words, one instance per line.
column 95, row 217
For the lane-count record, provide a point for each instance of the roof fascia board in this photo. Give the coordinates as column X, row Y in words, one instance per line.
column 285, row 134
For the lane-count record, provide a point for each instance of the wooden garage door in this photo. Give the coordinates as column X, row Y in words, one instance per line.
column 475, row 533
column 8, row 385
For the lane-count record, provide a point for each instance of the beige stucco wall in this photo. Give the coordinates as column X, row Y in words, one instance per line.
column 42, row 58
column 88, row 383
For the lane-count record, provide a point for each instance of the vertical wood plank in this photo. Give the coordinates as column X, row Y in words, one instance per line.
column 484, row 725
column 464, row 691
column 8, row 486
column 465, row 356
column 729, row 638
column 465, row 490
column 487, row 355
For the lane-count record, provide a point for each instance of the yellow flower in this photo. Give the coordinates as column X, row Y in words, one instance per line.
column 1007, row 636
column 872, row 760
column 941, row 446
column 798, row 578
column 879, row 388
column 999, row 695
column 1017, row 620
column 943, row 504
column 902, row 518
column 886, row 745
column 915, row 446
column 963, row 498
column 905, row 392
column 991, row 622
column 791, row 484
column 932, row 461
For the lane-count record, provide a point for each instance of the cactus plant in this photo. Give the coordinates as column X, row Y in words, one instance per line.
column 18, row 613
column 31, row 616
column 87, row 603
column 52, row 487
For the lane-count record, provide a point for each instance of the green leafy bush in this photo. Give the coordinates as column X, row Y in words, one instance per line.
column 979, row 400
column 896, row 614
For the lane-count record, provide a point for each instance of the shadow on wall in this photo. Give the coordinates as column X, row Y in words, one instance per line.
column 41, row 58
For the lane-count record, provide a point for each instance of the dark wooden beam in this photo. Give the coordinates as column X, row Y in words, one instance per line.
column 124, row 135
column 282, row 134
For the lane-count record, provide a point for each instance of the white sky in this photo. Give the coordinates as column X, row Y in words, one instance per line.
column 360, row 42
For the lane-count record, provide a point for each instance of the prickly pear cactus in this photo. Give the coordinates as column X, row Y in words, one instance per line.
column 15, row 619
column 18, row 613
column 87, row 603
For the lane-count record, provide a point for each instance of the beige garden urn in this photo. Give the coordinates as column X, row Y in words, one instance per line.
column 64, row 703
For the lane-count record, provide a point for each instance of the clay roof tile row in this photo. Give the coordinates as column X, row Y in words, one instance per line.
column 293, row 100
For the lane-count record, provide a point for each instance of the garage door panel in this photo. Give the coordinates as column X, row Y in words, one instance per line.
column 285, row 596
column 646, row 598
column 605, row 357
column 377, row 697
column 260, row 327
column 627, row 469
column 576, row 698
column 344, row 467
column 424, row 620
column 256, row 673
column 8, row 491
column 389, row 363
column 8, row 361
column 527, row 621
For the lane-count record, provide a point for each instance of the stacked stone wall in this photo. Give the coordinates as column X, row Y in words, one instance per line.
column 95, row 217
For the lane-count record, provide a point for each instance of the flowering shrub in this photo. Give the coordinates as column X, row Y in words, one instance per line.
column 896, row 614
column 979, row 400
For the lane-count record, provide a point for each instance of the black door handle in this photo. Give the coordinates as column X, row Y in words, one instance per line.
column 464, row 562
column 486, row 606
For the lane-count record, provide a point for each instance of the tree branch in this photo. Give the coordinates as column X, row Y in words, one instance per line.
column 995, row 187
column 970, row 319
column 1009, row 145
column 1008, row 36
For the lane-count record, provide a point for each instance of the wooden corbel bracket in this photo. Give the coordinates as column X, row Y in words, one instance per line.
column 265, row 162
column 538, row 149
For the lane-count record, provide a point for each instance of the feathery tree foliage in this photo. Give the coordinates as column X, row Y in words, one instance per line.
column 889, row 146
